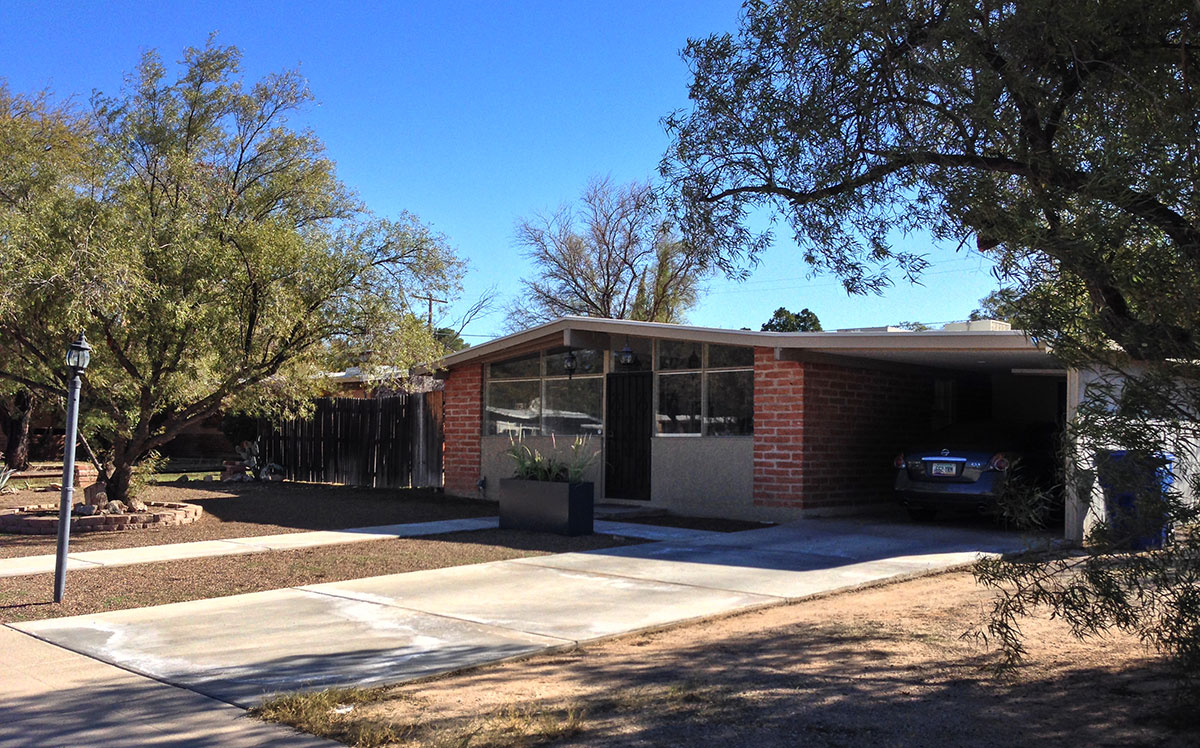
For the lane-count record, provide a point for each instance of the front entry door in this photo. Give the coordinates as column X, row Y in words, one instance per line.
column 629, row 423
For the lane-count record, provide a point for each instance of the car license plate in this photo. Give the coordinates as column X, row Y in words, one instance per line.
column 943, row 468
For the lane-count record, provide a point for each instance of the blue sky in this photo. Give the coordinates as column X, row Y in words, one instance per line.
column 472, row 116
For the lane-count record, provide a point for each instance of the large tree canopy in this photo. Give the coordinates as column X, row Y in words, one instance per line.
column 1061, row 136
column 612, row 256
column 205, row 246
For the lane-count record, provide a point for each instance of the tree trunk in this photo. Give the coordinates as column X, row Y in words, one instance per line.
column 119, row 476
column 16, row 430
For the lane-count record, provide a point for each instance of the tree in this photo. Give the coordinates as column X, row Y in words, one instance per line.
column 1058, row 137
column 16, row 416
column 613, row 256
column 785, row 321
column 1002, row 304
column 451, row 339
column 206, row 248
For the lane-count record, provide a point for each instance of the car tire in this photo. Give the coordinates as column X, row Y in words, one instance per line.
column 921, row 513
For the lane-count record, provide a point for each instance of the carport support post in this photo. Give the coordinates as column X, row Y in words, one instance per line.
column 68, row 488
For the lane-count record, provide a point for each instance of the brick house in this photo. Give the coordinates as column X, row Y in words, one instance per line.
column 734, row 423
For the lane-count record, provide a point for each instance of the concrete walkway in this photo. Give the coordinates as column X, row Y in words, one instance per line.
column 41, row 564
column 398, row 627
column 51, row 697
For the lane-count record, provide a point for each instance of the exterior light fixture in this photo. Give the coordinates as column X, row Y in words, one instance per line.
column 625, row 356
column 79, row 354
column 570, row 364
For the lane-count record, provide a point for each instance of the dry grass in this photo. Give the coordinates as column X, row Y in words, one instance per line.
column 326, row 713
column 331, row 714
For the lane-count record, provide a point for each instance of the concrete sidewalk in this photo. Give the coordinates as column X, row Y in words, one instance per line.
column 44, row 563
column 52, row 697
column 393, row 628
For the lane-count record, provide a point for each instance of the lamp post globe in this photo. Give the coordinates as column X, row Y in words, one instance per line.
column 79, row 354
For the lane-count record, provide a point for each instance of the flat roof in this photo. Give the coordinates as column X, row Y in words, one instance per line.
column 990, row 350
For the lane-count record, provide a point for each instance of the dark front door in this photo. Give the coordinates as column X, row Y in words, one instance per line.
column 630, row 419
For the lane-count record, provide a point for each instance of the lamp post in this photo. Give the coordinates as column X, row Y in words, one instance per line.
column 78, row 355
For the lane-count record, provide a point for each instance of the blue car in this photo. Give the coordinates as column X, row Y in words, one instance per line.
column 965, row 467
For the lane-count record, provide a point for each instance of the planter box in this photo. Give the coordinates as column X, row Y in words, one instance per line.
column 563, row 508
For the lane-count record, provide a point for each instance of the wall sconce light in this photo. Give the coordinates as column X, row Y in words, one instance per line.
column 570, row 364
column 625, row 357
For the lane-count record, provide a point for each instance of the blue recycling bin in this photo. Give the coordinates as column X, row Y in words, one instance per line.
column 1135, row 486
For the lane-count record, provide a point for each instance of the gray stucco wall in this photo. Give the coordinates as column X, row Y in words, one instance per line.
column 494, row 464
column 704, row 476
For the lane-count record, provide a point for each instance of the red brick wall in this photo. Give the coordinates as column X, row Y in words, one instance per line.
column 825, row 434
column 858, row 421
column 462, row 421
column 778, row 430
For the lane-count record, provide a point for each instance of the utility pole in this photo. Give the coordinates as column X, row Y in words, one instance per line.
column 431, row 300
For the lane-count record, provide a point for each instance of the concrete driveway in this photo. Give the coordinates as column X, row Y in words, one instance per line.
column 388, row 629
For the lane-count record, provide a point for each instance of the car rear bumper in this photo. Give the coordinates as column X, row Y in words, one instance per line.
column 980, row 494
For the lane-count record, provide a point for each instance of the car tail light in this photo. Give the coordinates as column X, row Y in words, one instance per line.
column 899, row 461
column 999, row 462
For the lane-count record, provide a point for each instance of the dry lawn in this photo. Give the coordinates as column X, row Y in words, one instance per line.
column 238, row 510
column 883, row 667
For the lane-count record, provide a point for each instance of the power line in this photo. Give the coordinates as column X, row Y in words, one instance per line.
column 803, row 285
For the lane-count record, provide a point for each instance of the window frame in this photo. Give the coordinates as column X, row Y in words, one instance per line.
column 542, row 378
column 703, row 371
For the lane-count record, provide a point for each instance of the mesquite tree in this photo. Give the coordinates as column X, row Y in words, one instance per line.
column 1060, row 137
column 207, row 249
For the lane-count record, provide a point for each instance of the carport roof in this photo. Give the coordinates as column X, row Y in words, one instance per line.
column 991, row 350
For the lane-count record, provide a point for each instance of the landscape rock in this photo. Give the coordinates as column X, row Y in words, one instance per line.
column 137, row 506
column 84, row 510
column 115, row 507
column 95, row 494
column 182, row 479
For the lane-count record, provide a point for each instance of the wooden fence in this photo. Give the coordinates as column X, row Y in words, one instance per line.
column 389, row 442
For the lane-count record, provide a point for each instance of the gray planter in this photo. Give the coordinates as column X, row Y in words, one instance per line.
column 563, row 508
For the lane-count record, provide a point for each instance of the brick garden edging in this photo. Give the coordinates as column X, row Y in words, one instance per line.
column 157, row 514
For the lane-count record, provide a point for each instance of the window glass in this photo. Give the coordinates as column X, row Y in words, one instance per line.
column 730, row 403
column 678, row 354
column 574, row 406
column 678, row 404
column 586, row 362
column 724, row 356
column 639, row 347
column 523, row 366
column 513, row 408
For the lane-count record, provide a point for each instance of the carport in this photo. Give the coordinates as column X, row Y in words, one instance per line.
column 735, row 423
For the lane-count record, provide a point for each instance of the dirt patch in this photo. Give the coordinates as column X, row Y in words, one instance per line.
column 884, row 666
column 28, row 598
column 246, row 510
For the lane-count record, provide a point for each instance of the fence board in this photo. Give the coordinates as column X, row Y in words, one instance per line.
column 390, row 442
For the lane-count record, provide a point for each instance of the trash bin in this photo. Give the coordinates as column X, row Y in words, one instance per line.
column 1135, row 486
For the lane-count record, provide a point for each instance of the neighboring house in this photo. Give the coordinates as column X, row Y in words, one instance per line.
column 754, row 425
column 358, row 383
